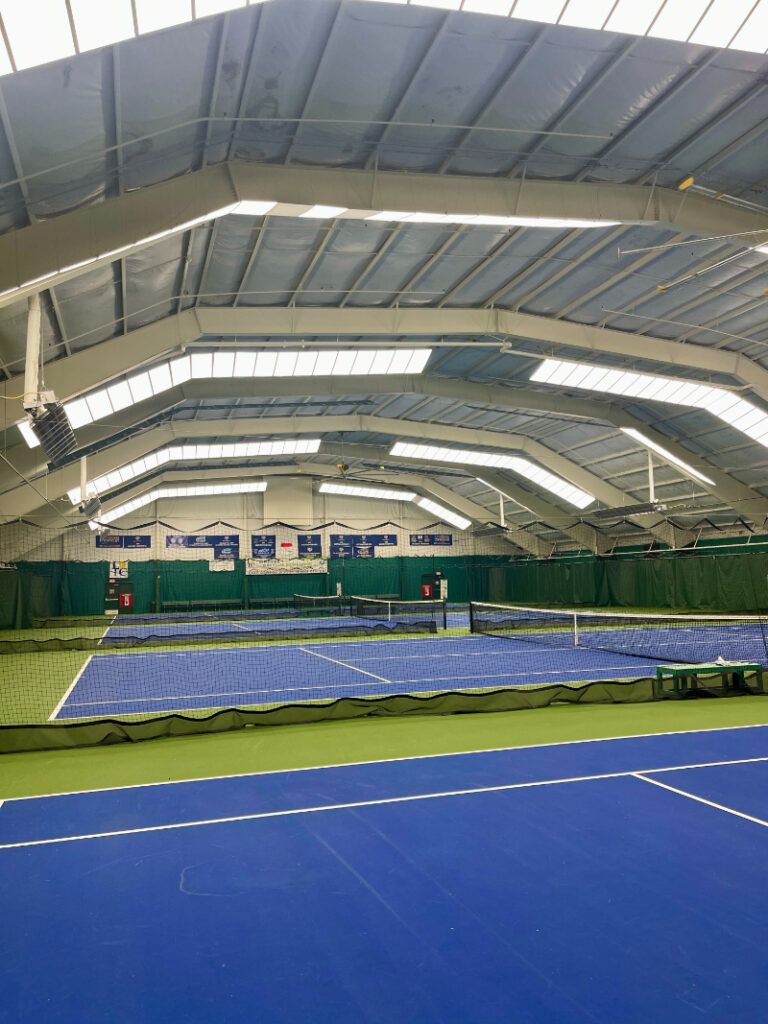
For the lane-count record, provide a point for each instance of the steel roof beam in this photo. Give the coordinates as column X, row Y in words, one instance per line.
column 82, row 239
column 93, row 366
column 725, row 487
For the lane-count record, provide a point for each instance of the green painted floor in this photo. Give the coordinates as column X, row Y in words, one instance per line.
column 267, row 748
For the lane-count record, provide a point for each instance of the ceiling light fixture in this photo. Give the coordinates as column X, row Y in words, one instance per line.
column 353, row 491
column 522, row 467
column 666, row 455
column 384, row 493
column 176, row 492
column 323, row 212
column 726, row 405
column 488, row 220
column 209, row 365
column 196, row 453
column 446, row 514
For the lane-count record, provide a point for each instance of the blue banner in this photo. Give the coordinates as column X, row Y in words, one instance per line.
column 263, row 545
column 310, row 545
column 431, row 539
column 109, row 540
column 226, row 545
column 124, row 540
column 137, row 540
column 360, row 545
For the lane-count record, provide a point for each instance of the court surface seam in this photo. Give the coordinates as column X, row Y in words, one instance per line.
column 410, row 798
column 391, row 760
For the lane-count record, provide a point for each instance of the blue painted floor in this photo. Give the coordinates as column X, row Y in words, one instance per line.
column 546, row 884
column 150, row 681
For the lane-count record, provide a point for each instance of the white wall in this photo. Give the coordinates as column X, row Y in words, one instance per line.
column 247, row 514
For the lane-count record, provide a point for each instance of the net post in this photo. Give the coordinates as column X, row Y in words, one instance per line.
column 575, row 629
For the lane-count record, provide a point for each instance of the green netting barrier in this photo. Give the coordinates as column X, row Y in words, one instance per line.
column 55, row 681
column 105, row 732
column 733, row 582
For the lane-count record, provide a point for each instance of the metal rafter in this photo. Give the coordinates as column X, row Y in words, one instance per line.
column 394, row 236
column 260, row 236
column 310, row 94
column 373, row 157
column 540, row 261
column 609, row 282
column 577, row 100
column 518, row 63
column 313, row 260
column 686, row 79
column 752, row 93
column 454, row 236
column 242, row 98
column 499, row 249
column 82, row 239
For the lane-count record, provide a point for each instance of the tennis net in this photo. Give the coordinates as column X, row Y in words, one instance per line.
column 320, row 605
column 430, row 615
column 689, row 639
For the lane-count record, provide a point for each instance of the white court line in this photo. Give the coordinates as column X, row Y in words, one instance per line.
column 76, row 680
column 700, row 799
column 344, row 664
column 411, row 798
column 269, row 646
column 69, row 689
column 343, row 686
column 409, row 757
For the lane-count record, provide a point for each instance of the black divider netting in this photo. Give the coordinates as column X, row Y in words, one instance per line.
column 240, row 628
column 686, row 639
column 430, row 615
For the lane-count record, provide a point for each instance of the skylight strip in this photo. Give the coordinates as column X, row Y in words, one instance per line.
column 732, row 409
column 206, row 366
column 667, row 455
column 197, row 453
column 446, row 514
column 355, row 491
column 497, row 460
column 251, row 487
column 732, row 24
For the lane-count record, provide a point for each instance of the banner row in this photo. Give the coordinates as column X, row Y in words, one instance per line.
column 264, row 545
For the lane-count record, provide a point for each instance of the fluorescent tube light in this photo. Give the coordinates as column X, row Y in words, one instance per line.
column 446, row 514
column 206, row 365
column 487, row 220
column 522, row 467
column 252, row 208
column 177, row 492
column 666, row 455
column 726, row 405
column 353, row 491
column 323, row 212
column 197, row 453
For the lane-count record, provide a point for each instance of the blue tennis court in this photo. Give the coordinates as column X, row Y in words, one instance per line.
column 156, row 682
column 598, row 882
